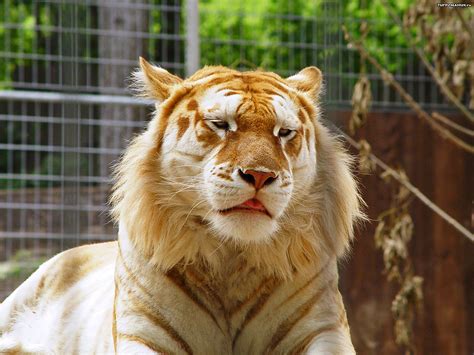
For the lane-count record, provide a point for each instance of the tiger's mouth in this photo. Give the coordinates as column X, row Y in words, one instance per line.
column 250, row 206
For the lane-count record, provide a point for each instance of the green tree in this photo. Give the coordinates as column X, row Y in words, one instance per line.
column 17, row 36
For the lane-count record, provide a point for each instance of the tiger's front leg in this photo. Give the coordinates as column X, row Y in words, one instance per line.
column 326, row 332
column 331, row 344
column 320, row 338
column 331, row 337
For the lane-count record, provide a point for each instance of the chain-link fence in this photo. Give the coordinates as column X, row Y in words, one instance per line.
column 66, row 113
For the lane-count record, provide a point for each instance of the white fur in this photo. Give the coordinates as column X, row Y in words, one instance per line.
column 286, row 114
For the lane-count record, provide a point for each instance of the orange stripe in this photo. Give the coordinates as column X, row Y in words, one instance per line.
column 179, row 281
column 185, row 289
column 207, row 290
column 271, row 92
column 131, row 275
column 231, row 93
column 263, row 77
column 242, row 102
column 303, row 345
column 166, row 110
column 158, row 320
column 137, row 339
column 220, row 79
column 285, row 327
column 255, row 309
column 201, row 282
column 302, row 288
column 40, row 288
column 306, row 106
column 250, row 298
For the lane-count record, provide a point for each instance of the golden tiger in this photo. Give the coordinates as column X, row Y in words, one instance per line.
column 233, row 208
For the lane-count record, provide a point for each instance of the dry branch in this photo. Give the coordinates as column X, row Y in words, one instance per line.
column 452, row 124
column 414, row 190
column 442, row 85
column 393, row 235
column 361, row 100
column 464, row 22
column 389, row 79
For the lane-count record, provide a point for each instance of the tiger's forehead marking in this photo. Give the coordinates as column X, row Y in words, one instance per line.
column 221, row 103
column 286, row 112
column 215, row 104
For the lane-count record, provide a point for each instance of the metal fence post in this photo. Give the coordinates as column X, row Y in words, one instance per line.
column 192, row 37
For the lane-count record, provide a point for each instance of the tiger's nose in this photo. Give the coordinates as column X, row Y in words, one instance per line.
column 257, row 178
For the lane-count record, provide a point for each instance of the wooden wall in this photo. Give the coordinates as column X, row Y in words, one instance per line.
column 442, row 256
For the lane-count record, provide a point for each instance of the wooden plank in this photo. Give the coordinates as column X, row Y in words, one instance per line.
column 441, row 255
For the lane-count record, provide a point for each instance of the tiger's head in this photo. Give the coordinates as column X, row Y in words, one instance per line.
column 240, row 157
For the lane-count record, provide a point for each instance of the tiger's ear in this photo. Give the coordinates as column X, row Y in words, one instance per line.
column 309, row 80
column 153, row 82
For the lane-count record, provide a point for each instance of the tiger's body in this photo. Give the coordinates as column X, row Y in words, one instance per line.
column 233, row 208
column 65, row 307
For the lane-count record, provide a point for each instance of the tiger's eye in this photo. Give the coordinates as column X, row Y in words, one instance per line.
column 221, row 125
column 284, row 132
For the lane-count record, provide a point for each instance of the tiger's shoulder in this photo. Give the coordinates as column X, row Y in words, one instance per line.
column 67, row 280
column 60, row 273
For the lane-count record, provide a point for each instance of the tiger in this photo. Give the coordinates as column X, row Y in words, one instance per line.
column 233, row 206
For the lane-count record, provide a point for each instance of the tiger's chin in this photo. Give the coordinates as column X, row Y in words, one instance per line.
column 244, row 226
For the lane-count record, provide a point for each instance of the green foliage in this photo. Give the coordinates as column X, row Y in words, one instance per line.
column 284, row 36
column 259, row 33
column 383, row 34
column 155, row 27
column 16, row 36
column 272, row 34
column 19, row 35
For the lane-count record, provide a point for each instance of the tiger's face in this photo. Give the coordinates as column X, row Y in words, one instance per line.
column 237, row 150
